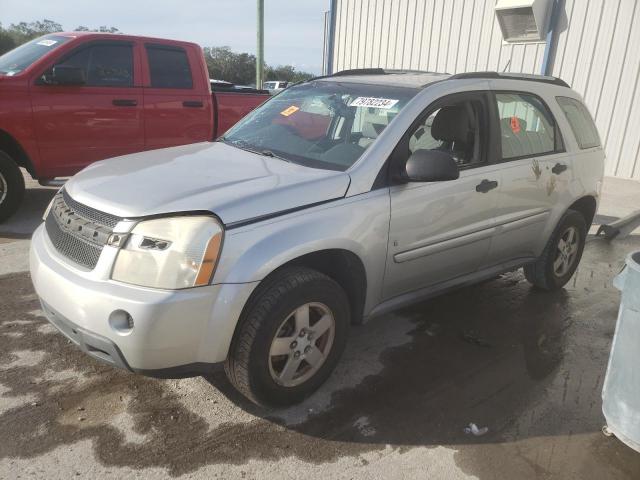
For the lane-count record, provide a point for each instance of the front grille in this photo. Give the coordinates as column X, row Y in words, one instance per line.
column 96, row 216
column 78, row 232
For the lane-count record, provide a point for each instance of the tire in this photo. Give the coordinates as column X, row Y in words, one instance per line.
column 11, row 186
column 543, row 273
column 270, row 323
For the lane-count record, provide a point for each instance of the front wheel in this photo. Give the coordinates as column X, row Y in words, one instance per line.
column 562, row 254
column 290, row 337
column 11, row 186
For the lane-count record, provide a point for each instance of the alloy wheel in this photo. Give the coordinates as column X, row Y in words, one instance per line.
column 302, row 344
column 566, row 251
column 3, row 188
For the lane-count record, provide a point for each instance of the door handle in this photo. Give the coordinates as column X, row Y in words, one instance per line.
column 124, row 102
column 558, row 168
column 192, row 103
column 485, row 185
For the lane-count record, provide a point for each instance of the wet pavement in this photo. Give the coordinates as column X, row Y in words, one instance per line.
column 526, row 364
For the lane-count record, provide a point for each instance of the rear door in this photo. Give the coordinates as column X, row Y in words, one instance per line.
column 443, row 230
column 177, row 106
column 536, row 173
column 79, row 124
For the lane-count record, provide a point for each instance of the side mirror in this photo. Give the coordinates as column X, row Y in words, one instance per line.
column 68, row 75
column 431, row 166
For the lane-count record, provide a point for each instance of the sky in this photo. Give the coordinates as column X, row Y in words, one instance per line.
column 293, row 28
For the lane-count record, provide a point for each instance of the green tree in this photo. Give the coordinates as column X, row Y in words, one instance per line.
column 224, row 64
column 240, row 68
column 287, row 73
column 7, row 42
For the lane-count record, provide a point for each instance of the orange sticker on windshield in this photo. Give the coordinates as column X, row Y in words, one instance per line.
column 515, row 124
column 290, row 111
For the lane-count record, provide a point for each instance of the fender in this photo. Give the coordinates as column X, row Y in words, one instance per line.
column 357, row 224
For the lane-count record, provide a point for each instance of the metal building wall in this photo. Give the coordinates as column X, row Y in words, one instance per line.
column 597, row 52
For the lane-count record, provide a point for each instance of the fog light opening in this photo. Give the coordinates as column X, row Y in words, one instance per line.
column 121, row 322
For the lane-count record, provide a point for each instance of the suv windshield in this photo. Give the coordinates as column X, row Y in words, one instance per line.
column 320, row 124
column 16, row 60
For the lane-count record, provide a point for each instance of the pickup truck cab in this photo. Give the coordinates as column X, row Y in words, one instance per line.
column 340, row 199
column 70, row 99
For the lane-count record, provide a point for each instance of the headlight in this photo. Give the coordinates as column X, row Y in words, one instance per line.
column 170, row 253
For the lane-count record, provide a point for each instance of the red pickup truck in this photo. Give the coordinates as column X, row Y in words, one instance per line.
column 70, row 99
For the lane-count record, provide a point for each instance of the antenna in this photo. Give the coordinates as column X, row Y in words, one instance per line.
column 506, row 66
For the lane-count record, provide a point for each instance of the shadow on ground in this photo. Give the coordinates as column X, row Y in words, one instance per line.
column 526, row 364
column 29, row 214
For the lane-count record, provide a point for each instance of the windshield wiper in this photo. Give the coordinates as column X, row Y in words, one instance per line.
column 269, row 153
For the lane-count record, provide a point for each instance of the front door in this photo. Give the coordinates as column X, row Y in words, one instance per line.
column 76, row 125
column 443, row 230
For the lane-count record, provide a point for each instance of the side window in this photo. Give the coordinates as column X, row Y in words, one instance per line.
column 580, row 121
column 169, row 67
column 105, row 65
column 457, row 128
column 527, row 126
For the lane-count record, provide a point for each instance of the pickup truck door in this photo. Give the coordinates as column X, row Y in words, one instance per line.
column 536, row 175
column 177, row 100
column 442, row 230
column 76, row 125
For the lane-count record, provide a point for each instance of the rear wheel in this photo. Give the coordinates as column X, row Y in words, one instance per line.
column 11, row 186
column 562, row 254
column 290, row 338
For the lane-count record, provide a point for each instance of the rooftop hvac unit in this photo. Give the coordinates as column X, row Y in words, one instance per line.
column 523, row 20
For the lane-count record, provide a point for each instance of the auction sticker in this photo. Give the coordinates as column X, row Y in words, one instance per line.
column 289, row 111
column 47, row 43
column 373, row 102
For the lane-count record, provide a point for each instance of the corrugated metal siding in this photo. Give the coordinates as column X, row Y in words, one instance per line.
column 597, row 53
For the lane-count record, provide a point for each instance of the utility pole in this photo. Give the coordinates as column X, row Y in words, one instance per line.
column 260, row 50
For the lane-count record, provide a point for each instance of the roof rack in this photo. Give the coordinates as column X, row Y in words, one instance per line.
column 511, row 76
column 359, row 71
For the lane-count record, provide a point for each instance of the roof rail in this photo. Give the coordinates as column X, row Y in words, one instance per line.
column 359, row 71
column 511, row 76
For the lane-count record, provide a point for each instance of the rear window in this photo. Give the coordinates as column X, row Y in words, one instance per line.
column 169, row 67
column 580, row 121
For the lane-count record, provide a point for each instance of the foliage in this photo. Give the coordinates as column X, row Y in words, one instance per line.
column 19, row 33
column 222, row 62
column 240, row 68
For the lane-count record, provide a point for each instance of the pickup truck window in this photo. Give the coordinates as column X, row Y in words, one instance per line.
column 320, row 124
column 18, row 59
column 169, row 67
column 106, row 65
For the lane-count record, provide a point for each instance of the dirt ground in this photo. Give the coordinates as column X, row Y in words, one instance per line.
column 527, row 365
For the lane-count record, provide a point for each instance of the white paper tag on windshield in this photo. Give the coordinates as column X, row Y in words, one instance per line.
column 47, row 43
column 373, row 102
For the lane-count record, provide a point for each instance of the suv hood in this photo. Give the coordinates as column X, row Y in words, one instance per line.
column 234, row 184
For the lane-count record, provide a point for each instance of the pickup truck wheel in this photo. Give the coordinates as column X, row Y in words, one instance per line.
column 290, row 337
column 562, row 254
column 11, row 186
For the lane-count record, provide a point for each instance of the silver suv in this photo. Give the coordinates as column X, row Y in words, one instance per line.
column 341, row 199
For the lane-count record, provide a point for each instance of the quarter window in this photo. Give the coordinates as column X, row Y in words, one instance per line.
column 169, row 67
column 526, row 125
column 580, row 121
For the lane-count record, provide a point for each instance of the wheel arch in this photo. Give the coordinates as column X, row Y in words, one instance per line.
column 12, row 147
column 341, row 265
column 586, row 206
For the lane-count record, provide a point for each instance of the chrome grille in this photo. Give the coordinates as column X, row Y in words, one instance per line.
column 78, row 232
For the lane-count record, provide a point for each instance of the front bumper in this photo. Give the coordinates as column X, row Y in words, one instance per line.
column 174, row 332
